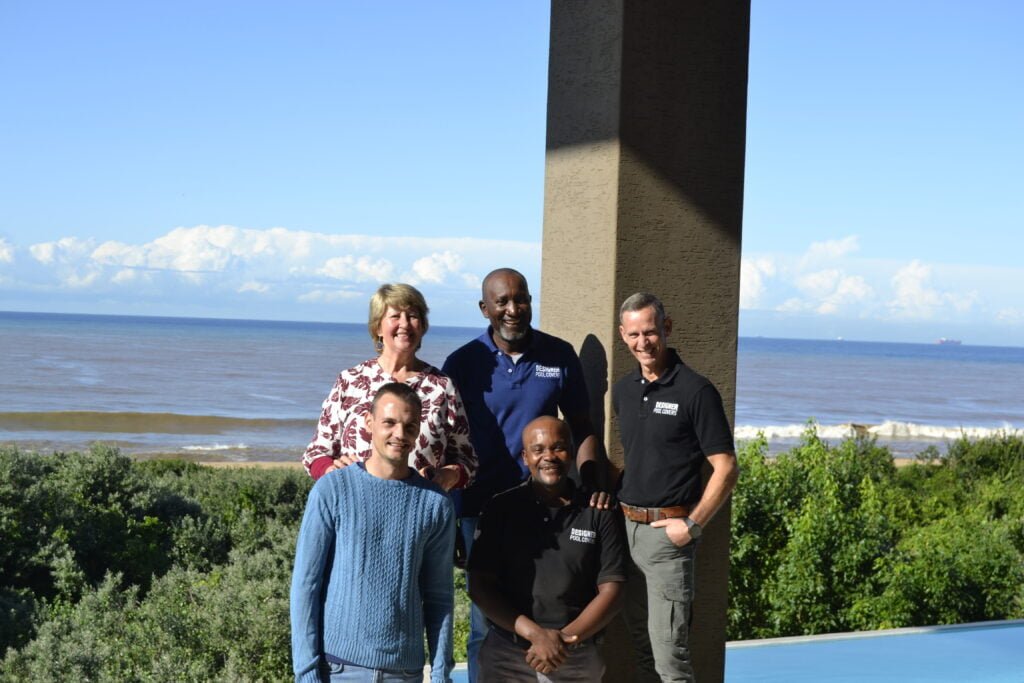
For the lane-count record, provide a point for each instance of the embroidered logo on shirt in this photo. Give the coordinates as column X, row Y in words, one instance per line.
column 547, row 372
column 666, row 408
column 582, row 536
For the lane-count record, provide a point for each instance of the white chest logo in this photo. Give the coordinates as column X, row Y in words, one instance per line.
column 546, row 372
column 583, row 536
column 666, row 408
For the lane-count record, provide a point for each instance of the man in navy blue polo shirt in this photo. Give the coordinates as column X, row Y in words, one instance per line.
column 506, row 377
column 672, row 421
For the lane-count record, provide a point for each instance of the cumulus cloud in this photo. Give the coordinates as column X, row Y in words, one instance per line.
column 357, row 269
column 914, row 297
column 327, row 296
column 125, row 275
column 753, row 276
column 64, row 250
column 435, row 268
column 6, row 251
column 1010, row 315
column 829, row 250
column 253, row 286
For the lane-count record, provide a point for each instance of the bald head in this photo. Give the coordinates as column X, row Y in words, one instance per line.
column 546, row 422
column 502, row 273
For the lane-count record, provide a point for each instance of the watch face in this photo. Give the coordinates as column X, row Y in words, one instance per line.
column 695, row 529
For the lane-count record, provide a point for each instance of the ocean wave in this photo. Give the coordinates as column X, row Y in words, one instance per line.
column 886, row 430
column 217, row 447
column 141, row 423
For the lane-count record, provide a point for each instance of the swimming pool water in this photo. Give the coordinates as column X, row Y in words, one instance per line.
column 992, row 652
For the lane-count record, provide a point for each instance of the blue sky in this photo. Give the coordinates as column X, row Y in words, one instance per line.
column 271, row 160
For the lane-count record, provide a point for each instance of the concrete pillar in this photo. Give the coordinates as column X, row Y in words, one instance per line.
column 644, row 190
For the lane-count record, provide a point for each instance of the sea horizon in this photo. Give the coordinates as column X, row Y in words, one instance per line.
column 250, row 390
column 955, row 341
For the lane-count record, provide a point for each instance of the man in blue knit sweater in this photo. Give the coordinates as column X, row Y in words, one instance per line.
column 373, row 564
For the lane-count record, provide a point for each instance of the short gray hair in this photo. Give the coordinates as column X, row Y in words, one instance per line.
column 640, row 301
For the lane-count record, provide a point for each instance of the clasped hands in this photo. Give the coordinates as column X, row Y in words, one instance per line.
column 549, row 649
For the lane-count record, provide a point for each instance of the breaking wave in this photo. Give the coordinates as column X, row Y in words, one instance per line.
column 886, row 430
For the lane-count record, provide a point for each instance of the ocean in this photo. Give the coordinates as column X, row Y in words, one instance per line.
column 246, row 390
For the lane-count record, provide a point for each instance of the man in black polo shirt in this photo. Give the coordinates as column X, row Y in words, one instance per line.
column 671, row 420
column 546, row 569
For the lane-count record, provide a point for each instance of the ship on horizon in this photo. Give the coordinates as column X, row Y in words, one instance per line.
column 946, row 340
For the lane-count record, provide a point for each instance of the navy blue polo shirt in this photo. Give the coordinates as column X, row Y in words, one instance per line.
column 549, row 561
column 668, row 427
column 501, row 397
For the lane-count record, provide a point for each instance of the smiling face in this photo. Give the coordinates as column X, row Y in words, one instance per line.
column 547, row 452
column 401, row 330
column 506, row 304
column 646, row 337
column 394, row 425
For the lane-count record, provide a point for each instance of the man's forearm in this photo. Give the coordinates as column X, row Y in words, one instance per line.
column 725, row 473
column 592, row 463
column 598, row 612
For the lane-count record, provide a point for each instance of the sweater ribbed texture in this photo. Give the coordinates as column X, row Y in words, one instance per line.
column 370, row 553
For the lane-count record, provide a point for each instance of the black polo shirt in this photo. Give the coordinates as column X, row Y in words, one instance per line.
column 668, row 426
column 549, row 562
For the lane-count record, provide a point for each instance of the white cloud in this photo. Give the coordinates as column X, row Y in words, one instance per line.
column 820, row 283
column 328, row 296
column 913, row 297
column 253, row 286
column 357, row 269
column 793, row 305
column 124, row 275
column 849, row 290
column 829, row 250
column 1010, row 315
column 77, row 280
column 6, row 252
column 234, row 268
column 753, row 274
column 64, row 250
column 435, row 268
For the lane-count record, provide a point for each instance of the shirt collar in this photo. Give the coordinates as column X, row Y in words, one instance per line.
column 671, row 370
column 574, row 491
column 488, row 338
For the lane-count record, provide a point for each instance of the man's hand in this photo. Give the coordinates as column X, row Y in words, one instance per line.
column 675, row 529
column 548, row 649
column 446, row 477
column 602, row 500
column 341, row 462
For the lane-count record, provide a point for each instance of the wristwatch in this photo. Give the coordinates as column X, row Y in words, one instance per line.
column 695, row 529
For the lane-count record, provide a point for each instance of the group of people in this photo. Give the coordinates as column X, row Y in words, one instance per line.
column 410, row 458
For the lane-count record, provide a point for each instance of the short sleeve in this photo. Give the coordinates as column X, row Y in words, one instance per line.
column 710, row 423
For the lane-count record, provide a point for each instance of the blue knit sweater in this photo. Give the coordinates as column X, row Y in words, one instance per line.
column 373, row 570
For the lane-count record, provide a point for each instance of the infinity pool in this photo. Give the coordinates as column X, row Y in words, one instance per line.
column 990, row 652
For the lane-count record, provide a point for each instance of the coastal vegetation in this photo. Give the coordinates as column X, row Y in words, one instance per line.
column 115, row 570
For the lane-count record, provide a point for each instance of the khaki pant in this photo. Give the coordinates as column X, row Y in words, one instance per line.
column 659, row 594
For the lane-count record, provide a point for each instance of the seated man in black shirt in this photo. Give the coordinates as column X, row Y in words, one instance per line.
column 546, row 569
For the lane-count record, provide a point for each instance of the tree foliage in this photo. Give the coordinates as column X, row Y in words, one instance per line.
column 836, row 538
column 114, row 570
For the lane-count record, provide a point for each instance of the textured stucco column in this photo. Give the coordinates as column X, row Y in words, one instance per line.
column 644, row 191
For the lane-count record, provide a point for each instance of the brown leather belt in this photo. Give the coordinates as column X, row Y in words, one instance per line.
column 648, row 515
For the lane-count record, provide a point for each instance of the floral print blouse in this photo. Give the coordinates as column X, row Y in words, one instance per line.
column 444, row 430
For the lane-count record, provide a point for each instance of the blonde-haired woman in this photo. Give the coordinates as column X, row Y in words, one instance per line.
column 443, row 454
